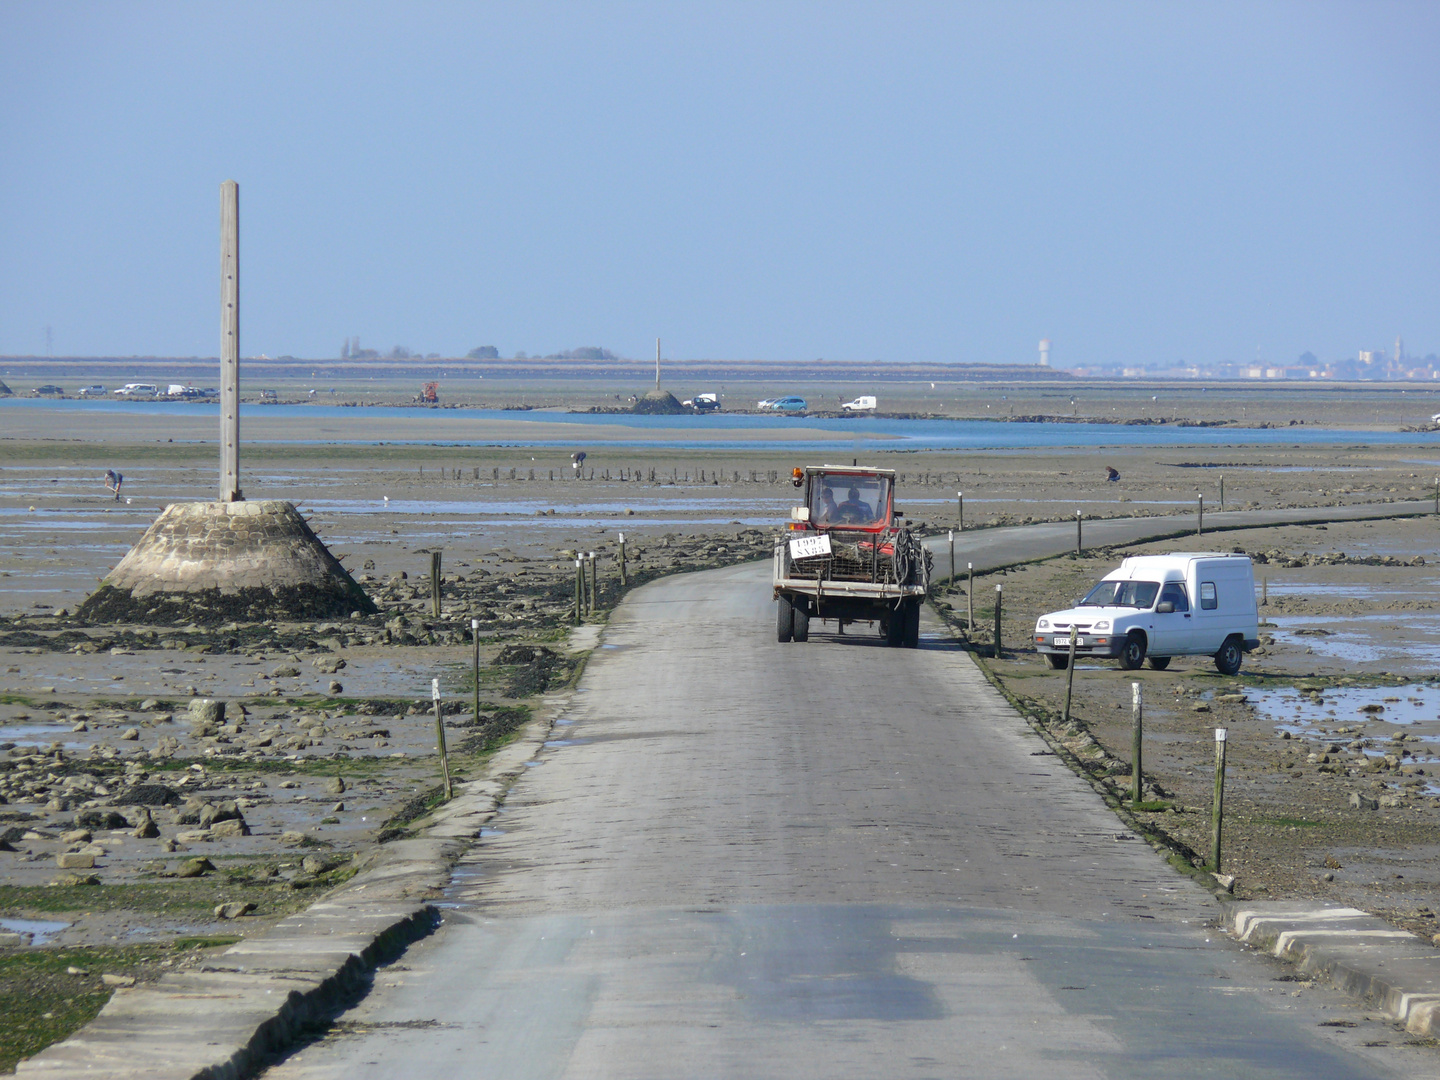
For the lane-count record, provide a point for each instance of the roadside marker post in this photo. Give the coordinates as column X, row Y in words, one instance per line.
column 475, row 637
column 970, row 600
column 1264, row 592
column 440, row 738
column 1070, row 674
column 435, row 582
column 998, row 596
column 579, row 589
column 1222, row 491
column 623, row 578
column 1199, row 513
column 960, row 502
column 592, row 582
column 1437, row 494
column 1137, row 730
column 1217, row 808
column 1079, row 536
column 952, row 557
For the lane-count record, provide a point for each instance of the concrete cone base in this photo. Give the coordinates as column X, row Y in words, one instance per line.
column 221, row 562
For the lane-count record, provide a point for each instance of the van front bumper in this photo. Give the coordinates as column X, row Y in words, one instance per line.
column 1104, row 645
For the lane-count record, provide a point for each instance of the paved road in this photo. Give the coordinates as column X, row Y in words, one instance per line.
column 741, row 859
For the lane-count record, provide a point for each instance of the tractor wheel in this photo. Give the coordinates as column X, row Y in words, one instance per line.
column 912, row 624
column 1132, row 655
column 784, row 619
column 800, row 623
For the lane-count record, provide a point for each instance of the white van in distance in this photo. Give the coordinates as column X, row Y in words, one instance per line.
column 1186, row 604
column 864, row 403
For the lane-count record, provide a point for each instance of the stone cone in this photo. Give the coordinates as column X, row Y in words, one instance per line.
column 219, row 562
column 660, row 402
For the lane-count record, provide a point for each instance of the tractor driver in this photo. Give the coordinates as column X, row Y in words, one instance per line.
column 855, row 511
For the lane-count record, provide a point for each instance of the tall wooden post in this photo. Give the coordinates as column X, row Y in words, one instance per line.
column 230, row 342
column 970, row 600
column 952, row 558
column 997, row 621
column 1079, row 533
column 475, row 638
column 435, row 583
column 440, row 740
column 1137, row 742
column 1070, row 673
column 1217, row 805
column 1199, row 513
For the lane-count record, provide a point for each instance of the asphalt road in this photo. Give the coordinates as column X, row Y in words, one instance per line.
column 743, row 859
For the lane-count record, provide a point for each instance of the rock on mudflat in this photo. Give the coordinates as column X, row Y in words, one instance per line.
column 234, row 909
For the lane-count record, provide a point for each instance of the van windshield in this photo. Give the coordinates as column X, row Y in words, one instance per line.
column 1136, row 594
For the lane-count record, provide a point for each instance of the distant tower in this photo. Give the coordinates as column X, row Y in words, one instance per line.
column 1399, row 349
column 657, row 363
column 1045, row 352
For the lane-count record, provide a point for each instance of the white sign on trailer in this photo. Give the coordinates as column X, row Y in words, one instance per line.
column 808, row 547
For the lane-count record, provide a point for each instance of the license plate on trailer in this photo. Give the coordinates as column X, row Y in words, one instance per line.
column 807, row 547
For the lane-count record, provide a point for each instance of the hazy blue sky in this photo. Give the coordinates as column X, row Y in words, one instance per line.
column 1137, row 181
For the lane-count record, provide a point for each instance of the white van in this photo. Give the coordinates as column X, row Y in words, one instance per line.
column 138, row 389
column 863, row 403
column 1186, row 604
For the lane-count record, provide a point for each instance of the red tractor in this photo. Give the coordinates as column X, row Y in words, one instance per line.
column 849, row 556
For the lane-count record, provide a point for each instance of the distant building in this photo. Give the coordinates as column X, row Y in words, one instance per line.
column 1045, row 352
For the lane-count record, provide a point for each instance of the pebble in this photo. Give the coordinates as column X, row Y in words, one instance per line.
column 117, row 980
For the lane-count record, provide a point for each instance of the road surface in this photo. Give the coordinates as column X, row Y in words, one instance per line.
column 742, row 859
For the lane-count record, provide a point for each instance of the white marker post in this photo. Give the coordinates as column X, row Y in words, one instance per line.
column 475, row 638
column 1217, row 808
column 440, row 738
column 952, row 557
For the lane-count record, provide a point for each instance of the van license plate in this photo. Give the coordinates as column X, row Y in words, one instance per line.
column 1064, row 642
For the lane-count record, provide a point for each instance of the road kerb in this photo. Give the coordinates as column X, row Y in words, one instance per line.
column 1393, row 970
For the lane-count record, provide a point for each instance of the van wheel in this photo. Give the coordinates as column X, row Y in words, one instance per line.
column 784, row 619
column 800, row 623
column 1057, row 661
column 1132, row 655
column 1227, row 660
column 1159, row 663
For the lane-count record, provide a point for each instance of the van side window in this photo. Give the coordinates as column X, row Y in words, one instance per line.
column 1207, row 596
column 1175, row 593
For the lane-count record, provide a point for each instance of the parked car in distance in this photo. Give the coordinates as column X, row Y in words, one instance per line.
column 1435, row 419
column 138, row 389
column 1185, row 604
column 92, row 391
column 784, row 404
column 269, row 395
column 703, row 403
column 864, row 403
column 48, row 390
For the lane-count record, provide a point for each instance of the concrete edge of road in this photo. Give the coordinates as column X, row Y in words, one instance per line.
column 1394, row 970
column 227, row 1019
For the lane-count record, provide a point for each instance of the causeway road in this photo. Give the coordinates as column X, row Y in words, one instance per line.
column 741, row 859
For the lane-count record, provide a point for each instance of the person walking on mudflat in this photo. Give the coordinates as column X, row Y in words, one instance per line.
column 113, row 480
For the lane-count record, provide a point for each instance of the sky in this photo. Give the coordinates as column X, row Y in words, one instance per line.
column 1138, row 182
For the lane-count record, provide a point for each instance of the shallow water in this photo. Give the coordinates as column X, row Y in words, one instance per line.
column 40, row 929
column 1351, row 638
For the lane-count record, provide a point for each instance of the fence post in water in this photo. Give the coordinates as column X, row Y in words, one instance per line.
column 1199, row 513
column 1264, row 592
column 440, row 738
column 1137, row 729
column 960, row 503
column 624, row 580
column 1079, row 532
column 1070, row 674
column 998, row 587
column 475, row 637
column 952, row 557
column 1217, row 808
column 970, row 600
column 435, row 582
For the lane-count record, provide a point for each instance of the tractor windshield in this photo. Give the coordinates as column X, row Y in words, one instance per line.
column 859, row 500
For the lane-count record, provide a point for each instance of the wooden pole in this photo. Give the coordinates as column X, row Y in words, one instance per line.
column 475, row 669
column 952, row 557
column 970, row 599
column 440, row 739
column 1222, row 491
column 1137, row 720
column 1437, row 494
column 1264, row 592
column 1199, row 513
column 624, row 579
column 1079, row 534
column 592, row 582
column 960, row 504
column 230, row 342
column 435, row 583
column 579, row 589
column 997, row 620
column 1217, row 806
column 1070, row 674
